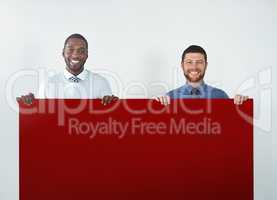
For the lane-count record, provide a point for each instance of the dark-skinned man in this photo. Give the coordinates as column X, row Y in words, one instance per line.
column 75, row 82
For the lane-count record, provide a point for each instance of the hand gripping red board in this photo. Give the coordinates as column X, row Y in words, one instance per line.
column 136, row 149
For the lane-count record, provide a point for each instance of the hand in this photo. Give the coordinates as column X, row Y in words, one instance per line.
column 26, row 99
column 239, row 99
column 164, row 100
column 108, row 99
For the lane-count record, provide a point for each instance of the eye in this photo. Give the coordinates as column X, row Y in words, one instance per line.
column 200, row 62
column 189, row 62
column 69, row 50
column 82, row 50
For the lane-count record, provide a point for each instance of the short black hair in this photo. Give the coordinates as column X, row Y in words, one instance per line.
column 78, row 36
column 194, row 49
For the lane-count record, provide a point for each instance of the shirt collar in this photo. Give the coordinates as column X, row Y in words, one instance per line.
column 82, row 75
column 201, row 88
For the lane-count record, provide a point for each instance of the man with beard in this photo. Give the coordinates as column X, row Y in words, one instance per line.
column 75, row 82
column 194, row 64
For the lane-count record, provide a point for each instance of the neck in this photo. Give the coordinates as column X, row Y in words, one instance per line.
column 75, row 73
column 195, row 84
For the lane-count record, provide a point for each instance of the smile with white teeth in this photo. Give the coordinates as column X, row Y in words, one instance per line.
column 194, row 73
column 74, row 61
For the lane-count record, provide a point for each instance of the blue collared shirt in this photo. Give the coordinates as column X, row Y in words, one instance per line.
column 204, row 91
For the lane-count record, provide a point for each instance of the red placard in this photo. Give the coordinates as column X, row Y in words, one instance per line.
column 136, row 149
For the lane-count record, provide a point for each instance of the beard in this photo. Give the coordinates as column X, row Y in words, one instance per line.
column 194, row 78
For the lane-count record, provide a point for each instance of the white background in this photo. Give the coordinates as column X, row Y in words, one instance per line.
column 140, row 44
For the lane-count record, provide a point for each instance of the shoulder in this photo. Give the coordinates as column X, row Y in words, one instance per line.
column 215, row 92
column 55, row 77
column 175, row 92
column 96, row 76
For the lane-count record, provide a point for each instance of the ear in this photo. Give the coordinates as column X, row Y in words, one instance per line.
column 63, row 53
column 182, row 65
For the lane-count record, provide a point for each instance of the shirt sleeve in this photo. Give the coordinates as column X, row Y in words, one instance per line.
column 41, row 91
column 170, row 94
column 218, row 93
column 105, row 88
column 225, row 95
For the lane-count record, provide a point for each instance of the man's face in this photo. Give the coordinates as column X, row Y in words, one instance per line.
column 75, row 54
column 194, row 67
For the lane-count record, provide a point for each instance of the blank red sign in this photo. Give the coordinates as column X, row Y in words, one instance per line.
column 136, row 149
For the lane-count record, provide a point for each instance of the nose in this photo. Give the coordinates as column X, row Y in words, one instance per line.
column 194, row 65
column 75, row 54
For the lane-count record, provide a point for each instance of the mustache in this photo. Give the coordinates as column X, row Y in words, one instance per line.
column 199, row 78
column 194, row 70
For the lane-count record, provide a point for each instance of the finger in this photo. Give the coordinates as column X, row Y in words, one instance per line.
column 106, row 100
column 109, row 100
column 32, row 96
column 29, row 99
column 24, row 99
column 162, row 100
column 245, row 98
column 115, row 98
column 102, row 100
column 158, row 99
column 168, row 100
column 240, row 100
column 236, row 101
column 165, row 101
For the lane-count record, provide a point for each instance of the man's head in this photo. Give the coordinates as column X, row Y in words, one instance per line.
column 194, row 63
column 75, row 53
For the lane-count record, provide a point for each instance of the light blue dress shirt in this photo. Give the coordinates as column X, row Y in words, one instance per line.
column 204, row 91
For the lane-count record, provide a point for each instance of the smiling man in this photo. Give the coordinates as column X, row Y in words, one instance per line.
column 75, row 82
column 194, row 64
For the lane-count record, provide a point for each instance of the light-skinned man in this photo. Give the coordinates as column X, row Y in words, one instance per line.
column 194, row 64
